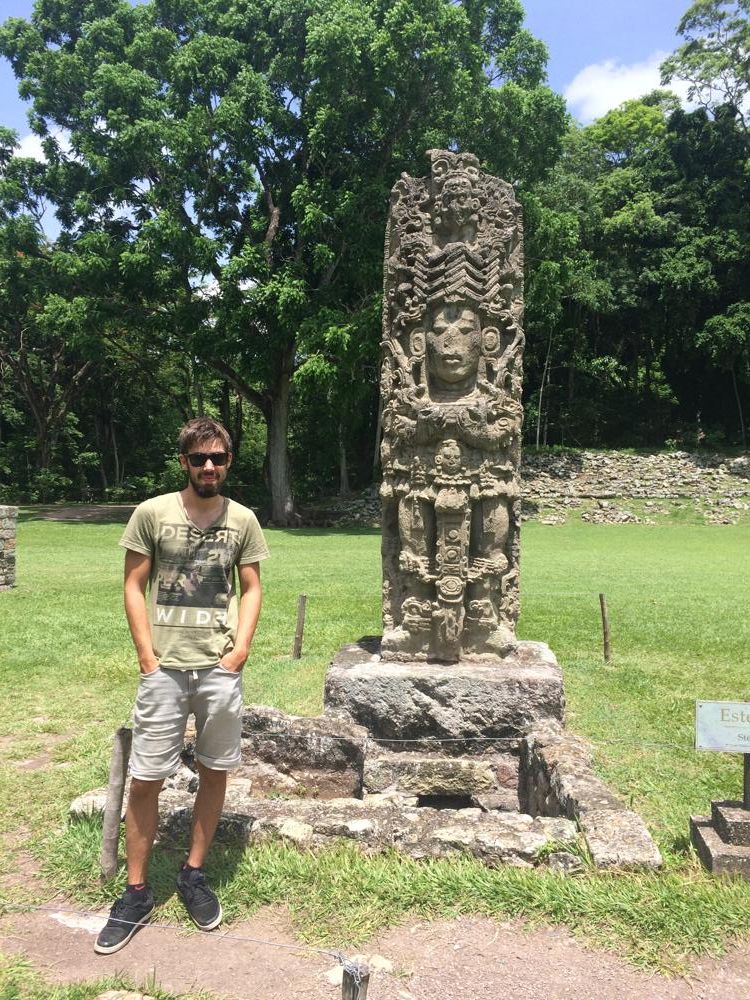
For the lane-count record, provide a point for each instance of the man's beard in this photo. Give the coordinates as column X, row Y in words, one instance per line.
column 205, row 490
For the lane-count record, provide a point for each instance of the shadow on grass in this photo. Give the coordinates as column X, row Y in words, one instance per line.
column 221, row 866
column 77, row 513
column 323, row 532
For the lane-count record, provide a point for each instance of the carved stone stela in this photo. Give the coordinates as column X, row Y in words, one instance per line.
column 452, row 414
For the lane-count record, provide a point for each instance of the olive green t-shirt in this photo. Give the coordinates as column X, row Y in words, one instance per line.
column 192, row 603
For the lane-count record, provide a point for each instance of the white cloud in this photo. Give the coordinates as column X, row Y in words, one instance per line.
column 602, row 86
column 31, row 145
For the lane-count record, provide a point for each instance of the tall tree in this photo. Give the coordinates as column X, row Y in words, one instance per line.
column 640, row 273
column 715, row 57
column 48, row 316
column 252, row 143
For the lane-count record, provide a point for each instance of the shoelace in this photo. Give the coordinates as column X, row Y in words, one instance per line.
column 196, row 887
column 119, row 907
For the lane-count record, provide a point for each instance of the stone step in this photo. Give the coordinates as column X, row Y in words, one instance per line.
column 494, row 838
column 435, row 774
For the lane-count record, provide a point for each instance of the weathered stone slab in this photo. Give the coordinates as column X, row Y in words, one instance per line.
column 467, row 704
column 319, row 756
column 618, row 838
column 732, row 822
column 89, row 804
column 503, row 800
column 717, row 856
column 423, row 774
column 94, row 802
column 507, row 838
column 498, row 838
column 557, row 778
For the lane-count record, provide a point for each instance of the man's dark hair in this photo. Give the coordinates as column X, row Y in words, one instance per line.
column 200, row 431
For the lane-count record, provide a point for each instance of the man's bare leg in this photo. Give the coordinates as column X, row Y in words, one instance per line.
column 141, row 822
column 206, row 813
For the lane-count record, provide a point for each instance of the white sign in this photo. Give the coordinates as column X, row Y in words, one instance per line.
column 722, row 725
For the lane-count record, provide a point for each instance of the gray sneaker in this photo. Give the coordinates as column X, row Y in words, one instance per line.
column 200, row 900
column 129, row 913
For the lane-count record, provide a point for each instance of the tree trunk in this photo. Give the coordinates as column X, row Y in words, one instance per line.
column 274, row 405
column 545, row 375
column 198, row 383
column 237, row 430
column 45, row 443
column 739, row 409
column 100, row 447
column 277, row 417
column 115, row 455
column 226, row 409
column 344, row 489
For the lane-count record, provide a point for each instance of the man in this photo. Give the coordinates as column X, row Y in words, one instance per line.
column 192, row 639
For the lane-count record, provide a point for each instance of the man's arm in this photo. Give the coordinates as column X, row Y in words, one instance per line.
column 249, row 610
column 137, row 572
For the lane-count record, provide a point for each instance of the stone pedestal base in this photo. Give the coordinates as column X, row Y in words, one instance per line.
column 722, row 839
column 466, row 707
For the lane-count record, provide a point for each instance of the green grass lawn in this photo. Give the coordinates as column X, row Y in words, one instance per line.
column 678, row 597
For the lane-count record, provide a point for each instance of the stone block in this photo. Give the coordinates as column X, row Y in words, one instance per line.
column 502, row 800
column 422, row 774
column 557, row 778
column 7, row 547
column 619, row 839
column 467, row 704
column 507, row 838
column 315, row 756
column 732, row 822
column 89, row 804
column 717, row 856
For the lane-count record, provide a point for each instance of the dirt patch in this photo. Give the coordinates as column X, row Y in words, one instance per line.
column 21, row 878
column 41, row 760
column 463, row 959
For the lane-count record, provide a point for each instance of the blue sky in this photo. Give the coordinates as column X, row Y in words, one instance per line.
column 600, row 53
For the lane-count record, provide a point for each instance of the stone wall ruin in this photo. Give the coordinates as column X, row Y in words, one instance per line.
column 8, row 519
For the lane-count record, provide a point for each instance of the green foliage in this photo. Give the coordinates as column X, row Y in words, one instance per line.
column 234, row 159
column 221, row 173
column 639, row 242
column 715, row 58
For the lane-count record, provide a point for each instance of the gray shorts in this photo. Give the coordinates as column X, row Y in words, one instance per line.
column 165, row 699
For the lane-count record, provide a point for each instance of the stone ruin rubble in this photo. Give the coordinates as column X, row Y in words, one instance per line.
column 8, row 519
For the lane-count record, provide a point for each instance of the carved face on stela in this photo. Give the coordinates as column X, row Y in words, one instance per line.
column 454, row 347
column 458, row 202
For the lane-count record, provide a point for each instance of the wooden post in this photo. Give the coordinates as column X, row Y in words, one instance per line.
column 746, row 782
column 297, row 650
column 605, row 628
column 355, row 982
column 113, row 810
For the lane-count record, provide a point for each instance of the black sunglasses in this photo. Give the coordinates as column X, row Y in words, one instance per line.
column 199, row 458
